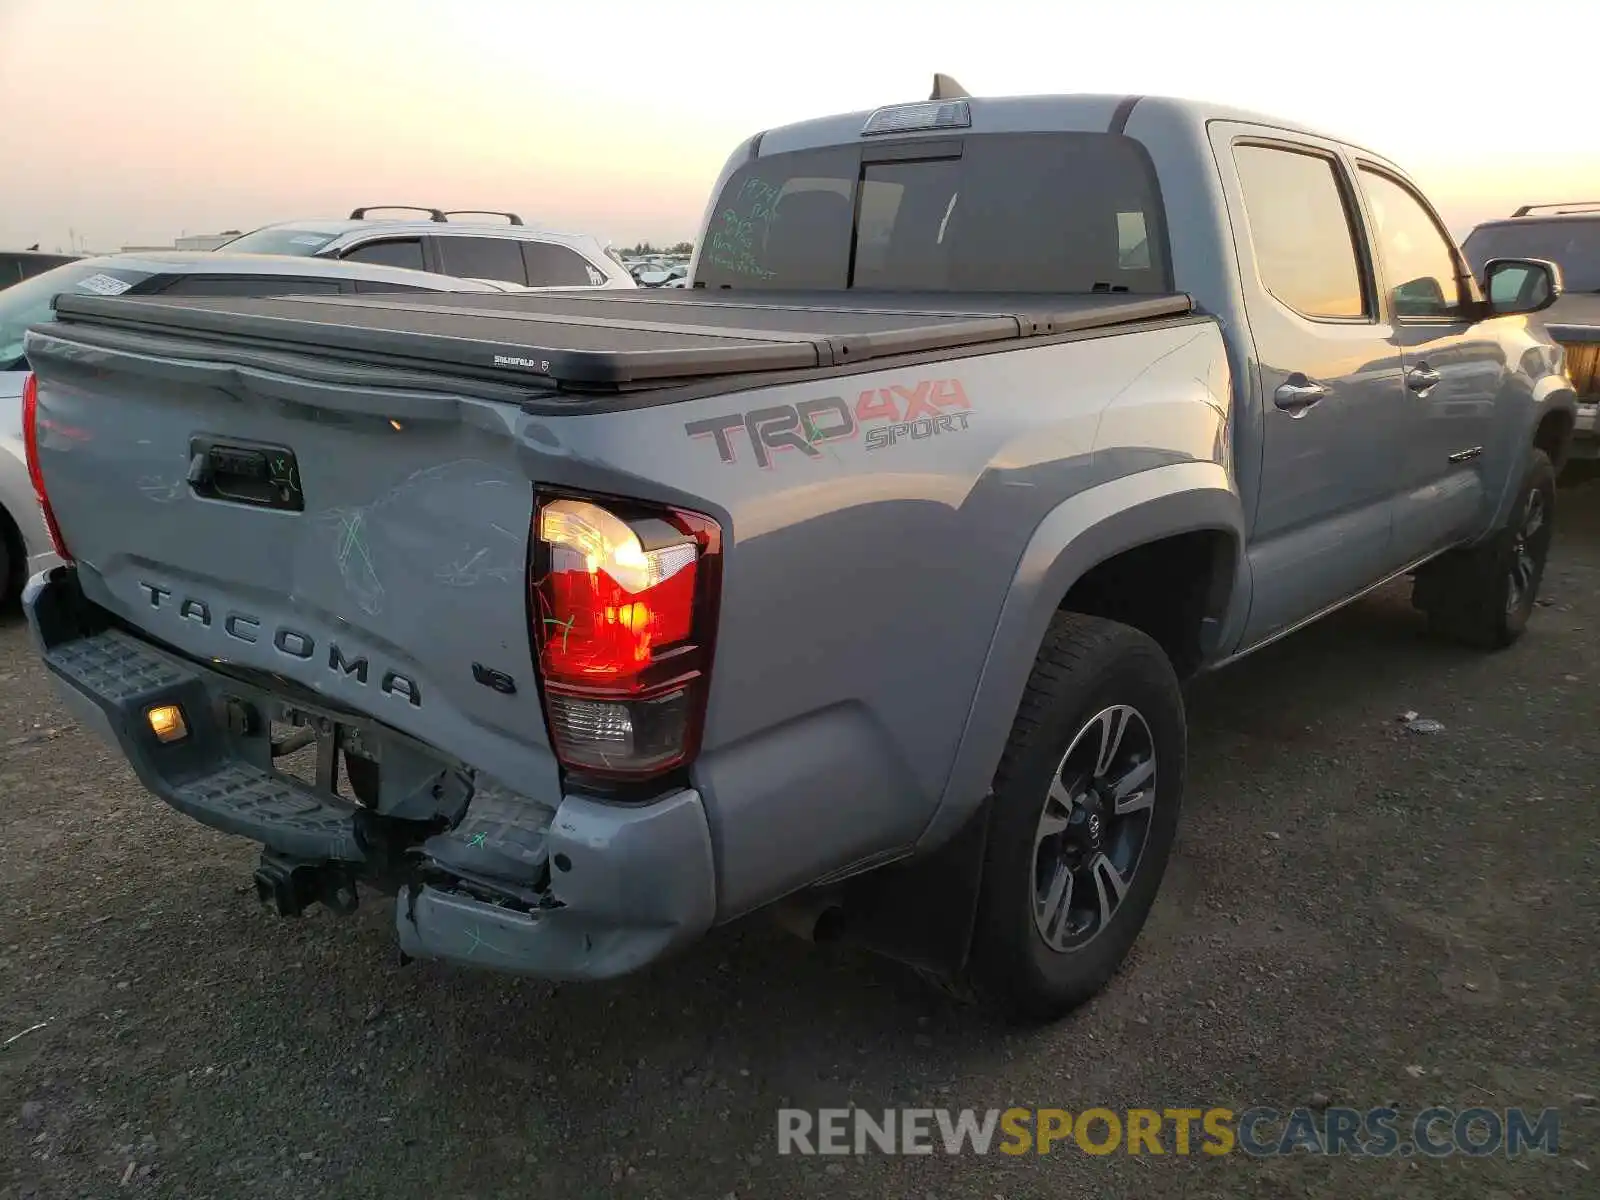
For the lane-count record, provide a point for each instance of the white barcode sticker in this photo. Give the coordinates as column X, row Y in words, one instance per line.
column 104, row 285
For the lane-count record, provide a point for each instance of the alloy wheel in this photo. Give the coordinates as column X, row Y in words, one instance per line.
column 1093, row 827
column 1526, row 549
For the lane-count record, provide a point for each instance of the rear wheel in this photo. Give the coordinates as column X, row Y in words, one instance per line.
column 1483, row 596
column 1086, row 804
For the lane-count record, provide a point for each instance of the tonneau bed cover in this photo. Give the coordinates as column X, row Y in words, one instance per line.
column 617, row 340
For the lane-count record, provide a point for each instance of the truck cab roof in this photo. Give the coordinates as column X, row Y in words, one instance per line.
column 1066, row 113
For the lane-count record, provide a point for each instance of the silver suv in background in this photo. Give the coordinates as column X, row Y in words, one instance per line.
column 511, row 251
column 1569, row 236
column 24, row 542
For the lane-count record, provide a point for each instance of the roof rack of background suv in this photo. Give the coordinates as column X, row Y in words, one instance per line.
column 434, row 214
column 511, row 218
column 437, row 214
column 1576, row 206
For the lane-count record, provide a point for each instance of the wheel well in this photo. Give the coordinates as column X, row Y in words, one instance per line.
column 1554, row 437
column 16, row 557
column 1167, row 588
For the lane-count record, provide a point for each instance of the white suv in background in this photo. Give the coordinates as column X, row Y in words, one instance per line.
column 512, row 251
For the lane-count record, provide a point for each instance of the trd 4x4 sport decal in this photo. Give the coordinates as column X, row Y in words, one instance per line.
column 887, row 416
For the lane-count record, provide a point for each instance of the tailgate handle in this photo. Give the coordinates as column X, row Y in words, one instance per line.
column 246, row 473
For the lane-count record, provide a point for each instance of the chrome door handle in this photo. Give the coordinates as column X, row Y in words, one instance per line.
column 1420, row 378
column 1297, row 394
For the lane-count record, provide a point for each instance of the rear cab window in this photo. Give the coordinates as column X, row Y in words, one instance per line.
column 1027, row 212
column 28, row 303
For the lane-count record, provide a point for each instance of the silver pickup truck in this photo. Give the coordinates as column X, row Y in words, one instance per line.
column 856, row 582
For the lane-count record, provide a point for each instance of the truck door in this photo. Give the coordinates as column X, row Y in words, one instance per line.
column 1453, row 369
column 1327, row 372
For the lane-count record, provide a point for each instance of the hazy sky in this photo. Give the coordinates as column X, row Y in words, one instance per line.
column 131, row 121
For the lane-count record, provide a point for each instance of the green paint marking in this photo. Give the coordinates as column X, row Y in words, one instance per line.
column 566, row 628
column 477, row 839
column 478, row 939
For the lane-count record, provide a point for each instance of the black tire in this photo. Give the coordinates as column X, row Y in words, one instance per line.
column 11, row 580
column 1484, row 595
column 1086, row 667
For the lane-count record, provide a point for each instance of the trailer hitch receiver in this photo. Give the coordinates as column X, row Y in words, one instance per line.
column 290, row 886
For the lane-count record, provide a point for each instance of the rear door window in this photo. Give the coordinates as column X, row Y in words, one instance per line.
column 390, row 252
column 482, row 258
column 1066, row 212
column 1301, row 230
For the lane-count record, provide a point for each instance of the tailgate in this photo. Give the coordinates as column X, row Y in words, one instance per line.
column 367, row 543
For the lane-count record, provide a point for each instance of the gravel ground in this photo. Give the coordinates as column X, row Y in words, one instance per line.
column 1348, row 900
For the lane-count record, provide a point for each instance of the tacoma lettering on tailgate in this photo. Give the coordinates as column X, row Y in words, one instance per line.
column 887, row 416
column 286, row 640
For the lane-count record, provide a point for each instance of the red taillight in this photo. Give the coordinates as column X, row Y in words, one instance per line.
column 623, row 600
column 30, row 439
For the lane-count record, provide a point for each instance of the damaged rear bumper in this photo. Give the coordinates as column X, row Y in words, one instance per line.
column 627, row 885
column 484, row 877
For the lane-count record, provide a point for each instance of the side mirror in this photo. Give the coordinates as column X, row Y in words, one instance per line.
column 1420, row 298
column 1520, row 285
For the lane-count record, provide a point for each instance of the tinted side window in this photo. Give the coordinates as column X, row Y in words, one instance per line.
column 250, row 285
column 483, row 258
column 392, row 252
column 1415, row 253
column 1301, row 231
column 550, row 265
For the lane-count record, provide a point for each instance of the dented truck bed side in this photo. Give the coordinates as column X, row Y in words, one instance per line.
column 886, row 568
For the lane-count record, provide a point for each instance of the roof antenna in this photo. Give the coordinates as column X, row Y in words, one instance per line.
column 945, row 88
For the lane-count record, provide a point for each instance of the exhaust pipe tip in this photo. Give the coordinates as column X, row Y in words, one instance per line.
column 818, row 918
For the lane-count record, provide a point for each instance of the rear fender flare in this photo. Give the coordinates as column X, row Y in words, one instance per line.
column 1074, row 537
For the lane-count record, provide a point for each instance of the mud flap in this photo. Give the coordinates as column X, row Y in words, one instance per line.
column 922, row 912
